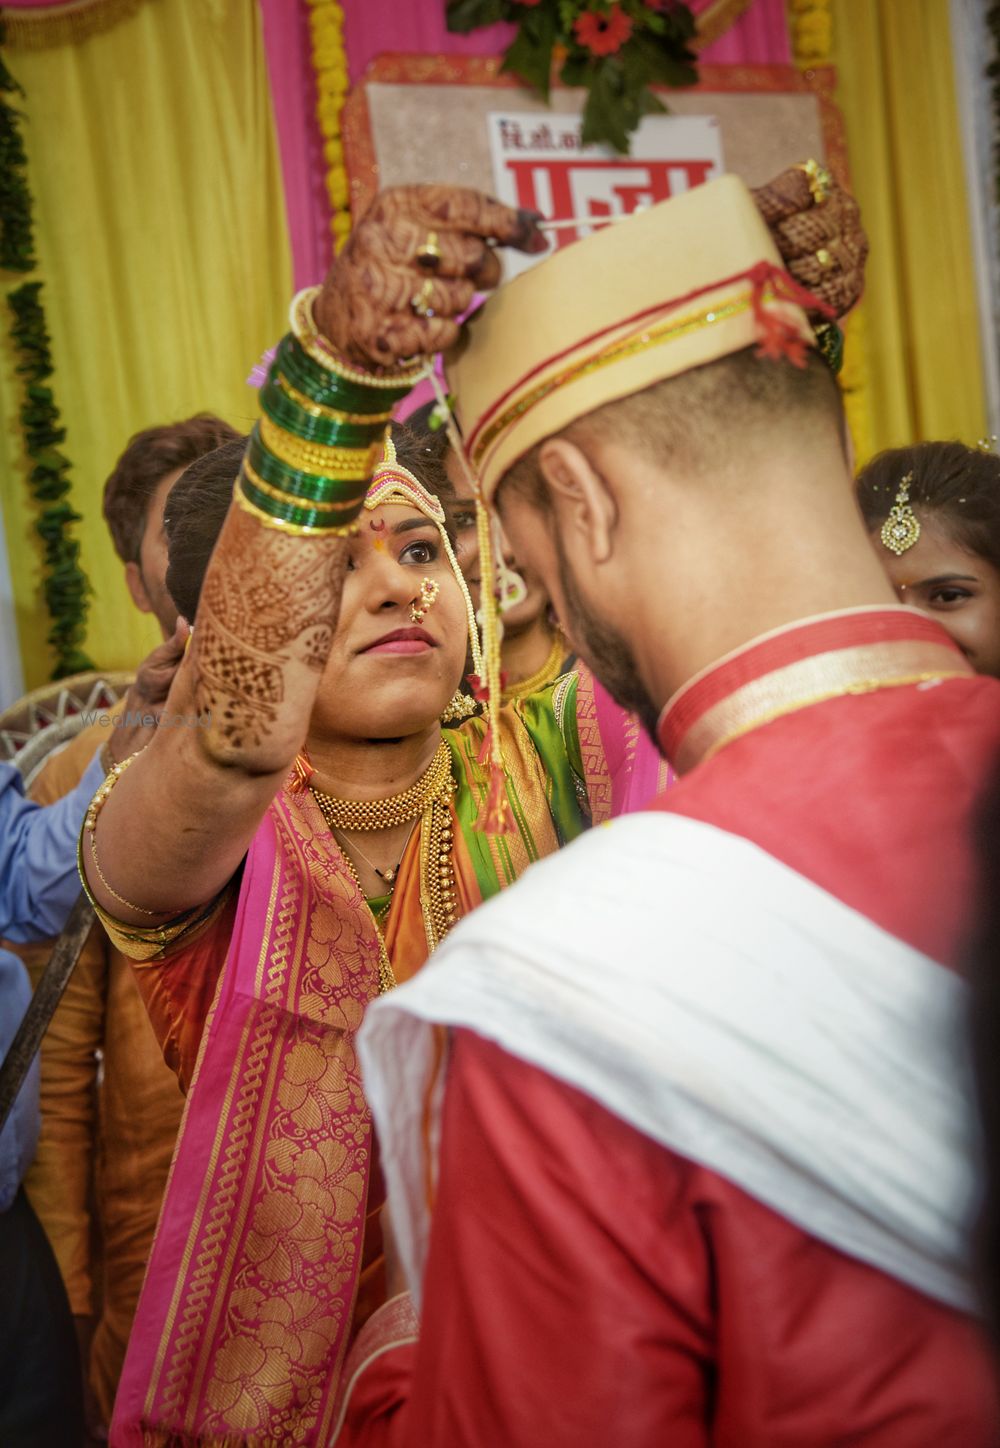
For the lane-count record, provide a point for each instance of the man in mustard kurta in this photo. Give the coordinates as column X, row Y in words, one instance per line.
column 110, row 1107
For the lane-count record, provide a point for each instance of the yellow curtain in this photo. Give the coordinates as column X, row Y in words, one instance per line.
column 920, row 328
column 162, row 244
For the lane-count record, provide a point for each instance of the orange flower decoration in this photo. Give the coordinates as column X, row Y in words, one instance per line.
column 603, row 34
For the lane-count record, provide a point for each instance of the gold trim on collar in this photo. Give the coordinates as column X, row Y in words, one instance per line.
column 861, row 669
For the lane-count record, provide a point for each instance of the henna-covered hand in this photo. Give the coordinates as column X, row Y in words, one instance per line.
column 147, row 696
column 266, row 619
column 823, row 244
column 366, row 307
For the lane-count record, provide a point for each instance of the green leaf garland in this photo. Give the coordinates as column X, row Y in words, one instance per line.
column 64, row 584
column 616, row 49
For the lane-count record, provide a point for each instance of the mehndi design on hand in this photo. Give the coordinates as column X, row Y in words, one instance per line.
column 366, row 306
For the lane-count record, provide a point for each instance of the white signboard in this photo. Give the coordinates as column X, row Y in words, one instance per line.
column 539, row 163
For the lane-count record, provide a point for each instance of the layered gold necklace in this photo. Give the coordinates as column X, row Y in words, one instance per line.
column 429, row 800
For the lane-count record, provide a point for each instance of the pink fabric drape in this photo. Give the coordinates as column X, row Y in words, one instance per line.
column 293, row 97
column 371, row 27
column 273, row 1160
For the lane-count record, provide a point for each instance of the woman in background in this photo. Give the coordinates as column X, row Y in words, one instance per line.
column 535, row 650
column 933, row 510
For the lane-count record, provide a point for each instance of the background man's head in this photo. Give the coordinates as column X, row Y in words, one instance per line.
column 134, row 497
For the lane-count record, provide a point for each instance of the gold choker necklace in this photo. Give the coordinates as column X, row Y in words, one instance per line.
column 547, row 674
column 430, row 800
column 398, row 809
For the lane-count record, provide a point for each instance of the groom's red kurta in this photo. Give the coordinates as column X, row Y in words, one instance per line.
column 586, row 1286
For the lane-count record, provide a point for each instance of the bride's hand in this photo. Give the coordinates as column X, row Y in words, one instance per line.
column 411, row 266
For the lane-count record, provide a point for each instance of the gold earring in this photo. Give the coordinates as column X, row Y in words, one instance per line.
column 429, row 591
column 461, row 707
column 902, row 527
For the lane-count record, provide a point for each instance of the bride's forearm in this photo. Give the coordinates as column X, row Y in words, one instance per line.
column 267, row 615
column 268, row 611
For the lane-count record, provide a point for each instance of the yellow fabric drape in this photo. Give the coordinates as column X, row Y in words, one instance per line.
column 67, row 24
column 920, row 326
column 162, row 243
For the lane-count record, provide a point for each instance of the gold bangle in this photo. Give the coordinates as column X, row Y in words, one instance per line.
column 113, row 776
column 329, row 414
column 311, row 340
column 351, row 465
column 294, row 530
column 293, row 500
column 90, row 825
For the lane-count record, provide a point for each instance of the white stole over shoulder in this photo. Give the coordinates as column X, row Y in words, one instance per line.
column 725, row 1006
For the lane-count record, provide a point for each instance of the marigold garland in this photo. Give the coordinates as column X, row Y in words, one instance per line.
column 810, row 24
column 329, row 61
column 64, row 583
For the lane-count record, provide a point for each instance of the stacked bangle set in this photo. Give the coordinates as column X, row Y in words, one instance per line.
column 311, row 455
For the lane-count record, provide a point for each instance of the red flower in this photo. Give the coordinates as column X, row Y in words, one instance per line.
column 603, row 34
column 529, row 2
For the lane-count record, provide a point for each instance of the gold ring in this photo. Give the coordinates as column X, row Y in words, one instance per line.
column 430, row 252
column 420, row 301
column 825, row 259
column 820, row 181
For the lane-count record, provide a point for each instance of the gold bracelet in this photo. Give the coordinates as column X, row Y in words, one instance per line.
column 315, row 345
column 349, row 464
column 329, row 414
column 90, row 825
column 293, row 500
column 294, row 530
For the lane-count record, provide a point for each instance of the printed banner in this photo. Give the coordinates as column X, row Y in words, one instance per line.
column 540, row 163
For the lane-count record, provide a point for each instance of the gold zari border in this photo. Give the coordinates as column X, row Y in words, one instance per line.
column 616, row 352
column 861, row 669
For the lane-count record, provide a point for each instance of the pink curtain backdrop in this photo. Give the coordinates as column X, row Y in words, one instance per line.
column 372, row 27
column 293, row 97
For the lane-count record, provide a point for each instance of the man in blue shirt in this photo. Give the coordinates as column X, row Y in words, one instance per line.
column 41, row 1396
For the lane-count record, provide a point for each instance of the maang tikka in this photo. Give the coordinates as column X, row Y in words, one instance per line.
column 902, row 527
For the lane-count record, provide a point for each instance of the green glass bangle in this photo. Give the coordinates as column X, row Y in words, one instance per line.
column 298, row 484
column 301, row 517
column 286, row 413
column 328, row 388
column 830, row 340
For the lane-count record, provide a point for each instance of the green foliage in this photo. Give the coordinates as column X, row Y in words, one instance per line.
column 64, row 583
column 530, row 54
column 465, row 15
column 16, row 244
column 654, row 51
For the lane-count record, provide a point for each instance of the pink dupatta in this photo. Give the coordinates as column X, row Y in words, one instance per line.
column 624, row 769
column 247, row 1305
